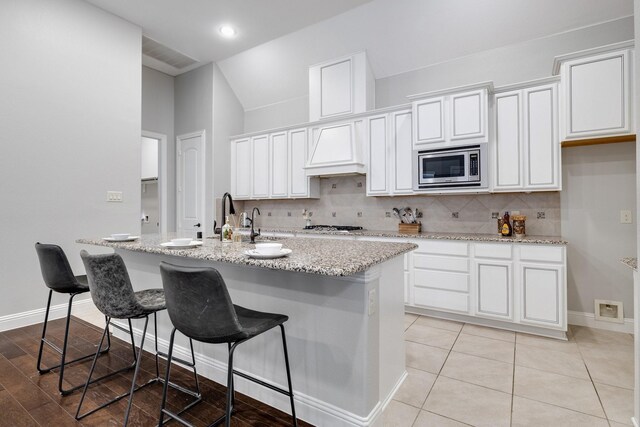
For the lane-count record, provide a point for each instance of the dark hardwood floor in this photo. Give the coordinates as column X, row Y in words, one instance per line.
column 30, row 399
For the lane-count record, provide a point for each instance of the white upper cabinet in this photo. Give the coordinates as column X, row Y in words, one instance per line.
column 260, row 167
column 149, row 159
column 300, row 185
column 451, row 117
column 390, row 154
column 340, row 86
column 596, row 97
column 241, row 168
column 526, row 153
column 279, row 160
column 272, row 167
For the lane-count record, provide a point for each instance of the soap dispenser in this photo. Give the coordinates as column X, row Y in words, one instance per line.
column 227, row 231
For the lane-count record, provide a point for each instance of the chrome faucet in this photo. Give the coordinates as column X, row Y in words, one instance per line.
column 253, row 234
column 231, row 210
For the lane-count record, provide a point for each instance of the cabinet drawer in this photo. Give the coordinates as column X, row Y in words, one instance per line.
column 497, row 250
column 435, row 262
column 541, row 253
column 441, row 280
column 440, row 247
column 439, row 299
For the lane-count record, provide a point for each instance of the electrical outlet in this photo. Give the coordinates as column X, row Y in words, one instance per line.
column 114, row 196
column 541, row 215
column 333, row 214
column 495, row 215
column 359, row 185
column 334, row 185
column 288, row 213
column 372, row 301
column 625, row 217
column 359, row 214
column 387, row 214
column 455, row 214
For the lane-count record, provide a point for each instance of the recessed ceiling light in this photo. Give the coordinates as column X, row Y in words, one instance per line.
column 227, row 31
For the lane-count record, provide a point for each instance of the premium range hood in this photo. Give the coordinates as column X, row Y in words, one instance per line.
column 337, row 149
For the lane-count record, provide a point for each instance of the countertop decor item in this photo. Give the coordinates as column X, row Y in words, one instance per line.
column 518, row 225
column 410, row 228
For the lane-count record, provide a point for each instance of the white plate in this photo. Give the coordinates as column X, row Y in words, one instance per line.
column 128, row 239
column 255, row 254
column 171, row 245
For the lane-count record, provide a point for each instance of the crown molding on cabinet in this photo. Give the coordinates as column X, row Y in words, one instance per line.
column 527, row 84
column 483, row 85
column 558, row 60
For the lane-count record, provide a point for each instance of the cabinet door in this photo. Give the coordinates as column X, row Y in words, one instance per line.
column 279, row 165
column 469, row 115
column 494, row 289
column 378, row 173
column 542, row 293
column 260, row 167
column 429, row 117
column 507, row 151
column 542, row 148
column 241, row 164
column 298, row 181
column 597, row 96
column 402, row 148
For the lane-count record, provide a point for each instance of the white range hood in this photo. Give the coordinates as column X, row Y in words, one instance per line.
column 337, row 149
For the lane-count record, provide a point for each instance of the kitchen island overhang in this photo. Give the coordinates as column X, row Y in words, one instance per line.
column 345, row 334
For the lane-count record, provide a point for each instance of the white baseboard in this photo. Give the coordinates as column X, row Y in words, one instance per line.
column 589, row 319
column 308, row 408
column 26, row 318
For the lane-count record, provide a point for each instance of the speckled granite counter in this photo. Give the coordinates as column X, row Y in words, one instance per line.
column 541, row 240
column 630, row 262
column 318, row 256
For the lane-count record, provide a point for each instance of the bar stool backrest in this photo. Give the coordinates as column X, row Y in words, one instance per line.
column 56, row 271
column 198, row 302
column 110, row 286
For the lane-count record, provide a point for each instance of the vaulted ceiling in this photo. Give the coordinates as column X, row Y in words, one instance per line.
column 278, row 39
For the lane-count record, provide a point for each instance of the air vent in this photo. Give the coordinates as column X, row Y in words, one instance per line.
column 165, row 54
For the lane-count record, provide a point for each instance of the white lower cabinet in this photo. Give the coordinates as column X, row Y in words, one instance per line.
column 509, row 285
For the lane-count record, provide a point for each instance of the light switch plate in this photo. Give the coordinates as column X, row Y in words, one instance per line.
column 114, row 196
column 625, row 217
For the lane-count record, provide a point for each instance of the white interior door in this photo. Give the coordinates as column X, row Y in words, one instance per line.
column 190, row 182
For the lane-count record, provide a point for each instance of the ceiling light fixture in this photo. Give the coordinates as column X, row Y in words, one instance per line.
column 227, row 31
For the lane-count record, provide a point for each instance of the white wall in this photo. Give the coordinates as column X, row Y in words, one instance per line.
column 598, row 181
column 158, row 117
column 204, row 100
column 70, row 130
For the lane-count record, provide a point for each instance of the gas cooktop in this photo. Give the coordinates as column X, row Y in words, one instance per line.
column 332, row 228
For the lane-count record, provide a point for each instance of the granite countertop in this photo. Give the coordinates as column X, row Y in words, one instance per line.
column 541, row 240
column 630, row 262
column 328, row 257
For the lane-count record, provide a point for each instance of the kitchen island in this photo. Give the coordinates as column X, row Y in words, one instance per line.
column 345, row 331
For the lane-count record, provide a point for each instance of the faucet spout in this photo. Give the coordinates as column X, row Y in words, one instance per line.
column 231, row 209
column 253, row 234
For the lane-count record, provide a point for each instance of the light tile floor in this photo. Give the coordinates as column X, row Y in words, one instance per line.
column 467, row 375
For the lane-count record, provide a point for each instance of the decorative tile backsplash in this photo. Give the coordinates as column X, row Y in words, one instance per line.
column 343, row 201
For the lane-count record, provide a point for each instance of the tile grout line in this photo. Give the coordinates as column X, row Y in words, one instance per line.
column 438, row 374
column 513, row 379
column 593, row 384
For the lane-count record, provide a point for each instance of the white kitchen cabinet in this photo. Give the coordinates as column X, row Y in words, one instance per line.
column 272, row 166
column 340, row 86
column 390, row 154
column 260, row 167
column 402, row 149
column 597, row 92
column 379, row 156
column 300, row 185
column 149, row 159
column 542, row 295
column 526, row 153
column 241, row 167
column 451, row 117
column 494, row 288
column 279, row 165
column 441, row 277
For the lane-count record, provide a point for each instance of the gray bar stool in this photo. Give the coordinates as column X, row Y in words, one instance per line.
column 58, row 276
column 113, row 295
column 200, row 307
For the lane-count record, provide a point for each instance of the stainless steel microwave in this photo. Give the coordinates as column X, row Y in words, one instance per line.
column 451, row 167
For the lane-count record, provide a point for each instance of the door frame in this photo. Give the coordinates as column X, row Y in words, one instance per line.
column 163, row 190
column 203, row 162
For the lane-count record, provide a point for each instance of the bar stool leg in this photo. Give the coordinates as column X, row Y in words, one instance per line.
column 64, row 348
column 286, row 362
column 44, row 332
column 135, row 373
column 93, row 367
column 227, row 421
column 233, row 391
column 165, row 387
